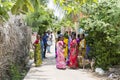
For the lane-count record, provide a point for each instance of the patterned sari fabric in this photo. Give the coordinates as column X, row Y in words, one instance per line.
column 60, row 60
column 66, row 48
column 37, row 54
column 73, row 54
column 82, row 48
column 69, row 41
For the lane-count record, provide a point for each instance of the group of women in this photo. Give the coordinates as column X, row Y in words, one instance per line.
column 68, row 48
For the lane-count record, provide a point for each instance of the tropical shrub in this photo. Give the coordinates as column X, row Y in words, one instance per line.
column 41, row 19
column 103, row 26
column 5, row 6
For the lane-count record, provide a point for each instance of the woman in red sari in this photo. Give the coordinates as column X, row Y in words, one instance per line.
column 73, row 52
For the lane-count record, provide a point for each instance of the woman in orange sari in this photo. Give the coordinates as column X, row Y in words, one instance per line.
column 73, row 52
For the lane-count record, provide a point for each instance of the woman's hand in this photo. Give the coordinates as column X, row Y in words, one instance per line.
column 34, row 46
column 64, row 46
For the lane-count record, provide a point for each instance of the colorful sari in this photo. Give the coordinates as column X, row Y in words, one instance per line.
column 60, row 60
column 82, row 47
column 37, row 54
column 78, row 41
column 73, row 54
column 66, row 48
column 69, row 41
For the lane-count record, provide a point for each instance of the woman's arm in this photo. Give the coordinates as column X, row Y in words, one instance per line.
column 36, row 42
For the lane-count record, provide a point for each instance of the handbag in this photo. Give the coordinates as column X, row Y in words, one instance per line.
column 49, row 43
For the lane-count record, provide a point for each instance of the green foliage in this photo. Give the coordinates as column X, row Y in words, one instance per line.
column 41, row 18
column 31, row 55
column 15, row 6
column 4, row 8
column 103, row 27
column 73, row 6
column 22, row 6
column 15, row 73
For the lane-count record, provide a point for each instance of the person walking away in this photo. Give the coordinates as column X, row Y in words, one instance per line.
column 51, row 37
column 45, row 44
column 73, row 52
column 69, row 41
column 60, row 60
column 66, row 43
column 82, row 48
column 49, row 42
column 42, row 47
column 83, row 45
column 56, row 40
column 78, row 39
column 37, row 52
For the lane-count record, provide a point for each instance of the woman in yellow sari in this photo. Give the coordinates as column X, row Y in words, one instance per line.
column 82, row 46
column 37, row 52
column 82, row 49
column 66, row 43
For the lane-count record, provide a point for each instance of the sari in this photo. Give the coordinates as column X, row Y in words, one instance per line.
column 37, row 54
column 78, row 40
column 73, row 54
column 66, row 48
column 69, row 41
column 60, row 60
column 82, row 48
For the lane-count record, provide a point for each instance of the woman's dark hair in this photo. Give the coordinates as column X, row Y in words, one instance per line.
column 66, row 35
column 78, row 35
column 83, row 35
column 60, row 36
column 73, row 35
column 58, row 32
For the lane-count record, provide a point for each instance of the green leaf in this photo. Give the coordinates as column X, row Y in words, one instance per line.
column 29, row 5
column 20, row 4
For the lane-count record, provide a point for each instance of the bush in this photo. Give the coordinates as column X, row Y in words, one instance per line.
column 103, row 27
column 14, row 72
column 31, row 55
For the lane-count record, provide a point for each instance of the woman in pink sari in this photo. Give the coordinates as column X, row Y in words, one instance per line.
column 60, row 60
column 73, row 52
